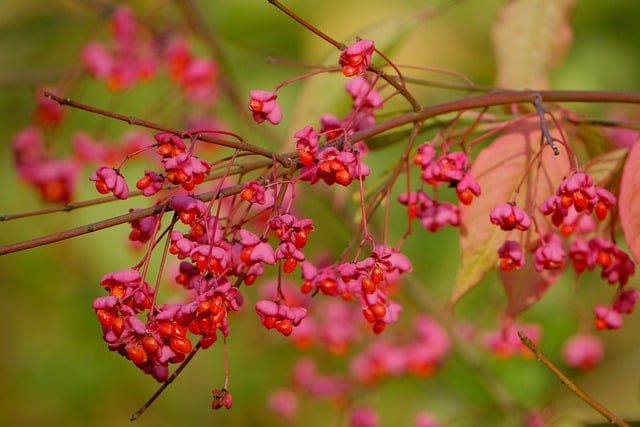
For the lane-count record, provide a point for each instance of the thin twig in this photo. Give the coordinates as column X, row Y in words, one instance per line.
column 610, row 416
column 543, row 124
column 165, row 384
column 238, row 145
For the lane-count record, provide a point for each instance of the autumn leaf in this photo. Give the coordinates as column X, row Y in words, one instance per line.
column 525, row 287
column 629, row 200
column 605, row 166
column 498, row 169
column 529, row 38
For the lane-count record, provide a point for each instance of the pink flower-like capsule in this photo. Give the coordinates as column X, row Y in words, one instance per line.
column 188, row 208
column 606, row 318
column 583, row 351
column 263, row 105
column 253, row 192
column 582, row 255
column 550, row 255
column 438, row 214
column 279, row 316
column 578, row 190
column 283, row 402
column 356, row 58
column 605, row 203
column 626, row 301
column 511, row 255
column 306, row 144
column 363, row 93
column 424, row 155
column 467, row 188
column 363, row 417
column 508, row 217
column 150, row 183
column 108, row 180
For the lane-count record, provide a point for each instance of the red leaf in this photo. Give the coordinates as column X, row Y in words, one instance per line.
column 498, row 169
column 629, row 200
column 525, row 287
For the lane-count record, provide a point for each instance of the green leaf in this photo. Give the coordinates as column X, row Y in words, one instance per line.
column 529, row 38
column 604, row 167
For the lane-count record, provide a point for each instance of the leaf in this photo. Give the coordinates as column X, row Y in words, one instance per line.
column 588, row 139
column 602, row 168
column 498, row 169
column 629, row 200
column 525, row 287
column 529, row 38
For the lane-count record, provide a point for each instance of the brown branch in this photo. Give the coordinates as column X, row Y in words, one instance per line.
column 238, row 145
column 110, row 222
column 610, row 416
column 487, row 100
column 165, row 384
column 497, row 99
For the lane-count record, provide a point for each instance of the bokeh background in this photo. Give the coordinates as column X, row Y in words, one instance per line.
column 54, row 367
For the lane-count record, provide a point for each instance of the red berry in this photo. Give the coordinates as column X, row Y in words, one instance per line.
column 255, row 105
column 150, row 343
column 117, row 326
column 601, row 211
column 289, row 264
column 104, row 317
column 368, row 286
column 247, row 194
column 466, row 197
column 306, row 287
column 217, row 318
column 378, row 310
column 301, row 238
column 187, row 216
column 179, row 331
column 166, row 329
column 269, row 322
column 377, row 274
column 368, row 315
column 102, row 188
column 378, row 327
column 566, row 201
column 208, row 340
column 143, row 182
column 180, row 345
column 306, row 158
column 137, row 354
column 355, row 60
column 245, row 254
column 203, row 306
column 328, row 286
column 343, row 177
column 284, row 327
column 164, row 149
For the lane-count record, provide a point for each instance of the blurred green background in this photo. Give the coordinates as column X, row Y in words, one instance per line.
column 55, row 369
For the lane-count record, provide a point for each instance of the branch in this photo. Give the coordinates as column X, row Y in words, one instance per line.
column 155, row 126
column 496, row 99
column 610, row 416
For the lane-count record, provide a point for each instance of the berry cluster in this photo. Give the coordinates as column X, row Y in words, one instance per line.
column 573, row 210
column 451, row 169
column 236, row 222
